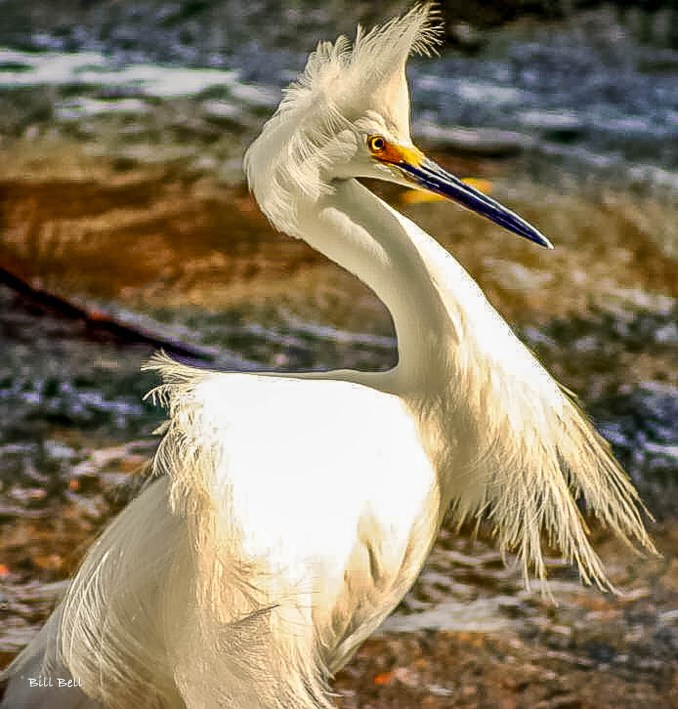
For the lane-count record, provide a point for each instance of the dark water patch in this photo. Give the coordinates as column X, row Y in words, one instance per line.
column 639, row 418
column 56, row 377
column 590, row 342
column 204, row 30
column 268, row 338
column 642, row 425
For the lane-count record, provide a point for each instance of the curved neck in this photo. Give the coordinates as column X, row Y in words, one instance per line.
column 361, row 233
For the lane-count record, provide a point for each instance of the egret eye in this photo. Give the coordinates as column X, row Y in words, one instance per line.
column 376, row 143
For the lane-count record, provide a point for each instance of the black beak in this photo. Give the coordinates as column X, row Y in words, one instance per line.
column 430, row 176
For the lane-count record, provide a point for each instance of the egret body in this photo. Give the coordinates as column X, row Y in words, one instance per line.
column 290, row 513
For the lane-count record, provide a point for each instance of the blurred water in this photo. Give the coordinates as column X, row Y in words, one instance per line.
column 586, row 97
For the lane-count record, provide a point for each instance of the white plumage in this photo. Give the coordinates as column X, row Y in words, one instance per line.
column 289, row 514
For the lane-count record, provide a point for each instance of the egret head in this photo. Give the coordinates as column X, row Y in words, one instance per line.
column 348, row 115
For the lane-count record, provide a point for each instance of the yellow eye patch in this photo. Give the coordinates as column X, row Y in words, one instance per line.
column 393, row 153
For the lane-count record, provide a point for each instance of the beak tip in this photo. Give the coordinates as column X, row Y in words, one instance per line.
column 531, row 234
column 433, row 178
column 536, row 237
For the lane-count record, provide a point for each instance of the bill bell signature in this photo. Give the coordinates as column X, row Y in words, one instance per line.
column 56, row 682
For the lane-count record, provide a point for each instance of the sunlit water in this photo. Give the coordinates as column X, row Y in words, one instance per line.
column 586, row 96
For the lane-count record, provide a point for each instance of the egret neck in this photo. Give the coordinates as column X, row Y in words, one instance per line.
column 364, row 235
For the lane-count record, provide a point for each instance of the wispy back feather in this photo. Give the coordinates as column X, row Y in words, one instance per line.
column 521, row 452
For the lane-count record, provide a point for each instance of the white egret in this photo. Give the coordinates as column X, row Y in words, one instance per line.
column 290, row 513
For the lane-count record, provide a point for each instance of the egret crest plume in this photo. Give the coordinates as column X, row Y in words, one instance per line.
column 342, row 83
column 336, row 73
